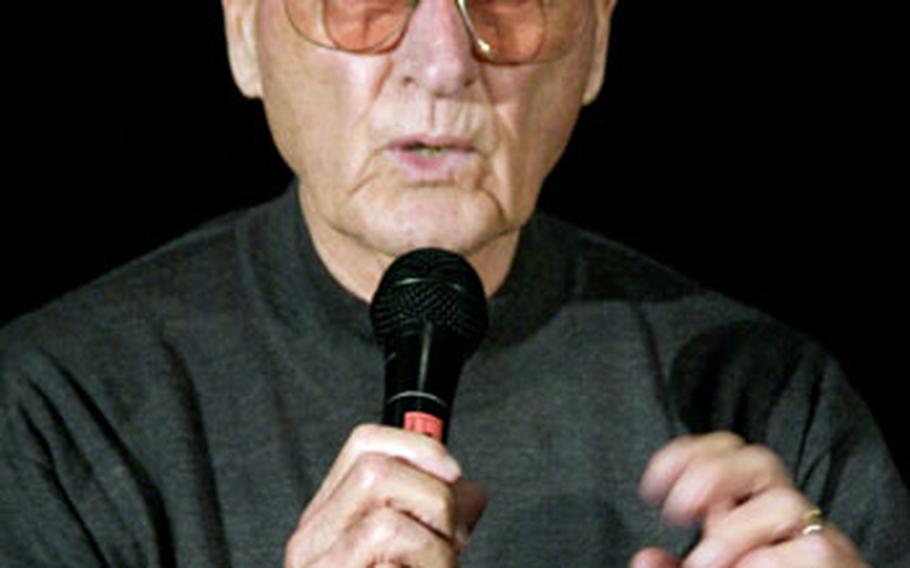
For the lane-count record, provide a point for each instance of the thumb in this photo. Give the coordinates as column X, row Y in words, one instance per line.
column 654, row 558
column 470, row 502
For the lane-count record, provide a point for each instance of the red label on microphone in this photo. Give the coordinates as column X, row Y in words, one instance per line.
column 423, row 423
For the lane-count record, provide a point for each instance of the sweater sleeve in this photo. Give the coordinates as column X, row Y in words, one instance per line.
column 67, row 496
column 38, row 524
column 845, row 467
column 774, row 387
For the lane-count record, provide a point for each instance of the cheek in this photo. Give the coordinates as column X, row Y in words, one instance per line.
column 315, row 100
column 536, row 109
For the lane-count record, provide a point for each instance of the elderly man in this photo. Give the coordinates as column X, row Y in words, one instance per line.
column 210, row 404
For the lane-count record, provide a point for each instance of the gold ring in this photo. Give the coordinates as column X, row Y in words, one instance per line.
column 813, row 521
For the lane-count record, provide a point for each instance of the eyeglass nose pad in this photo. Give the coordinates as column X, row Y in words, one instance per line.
column 480, row 46
column 485, row 49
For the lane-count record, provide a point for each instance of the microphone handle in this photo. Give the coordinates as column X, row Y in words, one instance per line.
column 421, row 372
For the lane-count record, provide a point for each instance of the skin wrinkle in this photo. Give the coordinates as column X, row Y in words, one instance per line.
column 333, row 115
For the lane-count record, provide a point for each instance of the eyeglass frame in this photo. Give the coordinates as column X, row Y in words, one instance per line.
column 483, row 49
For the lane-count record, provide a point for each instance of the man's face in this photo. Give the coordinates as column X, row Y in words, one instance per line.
column 424, row 145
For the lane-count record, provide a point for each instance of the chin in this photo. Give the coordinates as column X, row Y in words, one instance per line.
column 463, row 237
column 394, row 217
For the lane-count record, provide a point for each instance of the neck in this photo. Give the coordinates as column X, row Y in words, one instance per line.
column 358, row 267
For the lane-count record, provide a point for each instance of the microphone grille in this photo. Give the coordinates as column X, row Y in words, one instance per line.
column 435, row 286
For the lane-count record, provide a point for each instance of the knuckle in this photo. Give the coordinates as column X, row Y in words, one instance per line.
column 727, row 438
column 381, row 526
column 363, row 435
column 681, row 444
column 770, row 467
column 787, row 500
column 703, row 482
column 763, row 454
column 682, row 441
column 706, row 474
column 397, row 538
column 371, row 471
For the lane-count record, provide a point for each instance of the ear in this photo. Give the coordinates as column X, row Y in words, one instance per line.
column 603, row 13
column 239, row 26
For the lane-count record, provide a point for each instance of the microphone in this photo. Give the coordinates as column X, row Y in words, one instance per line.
column 430, row 314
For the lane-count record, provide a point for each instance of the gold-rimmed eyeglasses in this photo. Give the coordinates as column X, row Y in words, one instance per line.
column 503, row 31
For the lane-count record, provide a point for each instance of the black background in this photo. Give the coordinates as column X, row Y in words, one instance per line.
column 750, row 146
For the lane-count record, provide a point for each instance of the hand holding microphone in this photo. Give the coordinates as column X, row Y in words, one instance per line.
column 394, row 495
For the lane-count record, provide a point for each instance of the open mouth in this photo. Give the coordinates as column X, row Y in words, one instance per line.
column 433, row 158
column 432, row 146
column 429, row 150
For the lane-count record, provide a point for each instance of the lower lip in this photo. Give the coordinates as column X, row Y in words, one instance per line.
column 425, row 167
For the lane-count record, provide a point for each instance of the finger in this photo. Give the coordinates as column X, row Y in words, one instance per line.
column 378, row 481
column 768, row 518
column 668, row 463
column 653, row 558
column 384, row 537
column 828, row 548
column 470, row 502
column 423, row 452
column 721, row 481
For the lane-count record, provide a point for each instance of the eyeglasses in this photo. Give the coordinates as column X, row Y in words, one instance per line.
column 503, row 31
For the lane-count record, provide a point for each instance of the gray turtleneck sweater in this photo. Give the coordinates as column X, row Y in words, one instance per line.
column 182, row 410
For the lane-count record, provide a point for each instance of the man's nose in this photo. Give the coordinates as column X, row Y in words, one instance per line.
column 436, row 50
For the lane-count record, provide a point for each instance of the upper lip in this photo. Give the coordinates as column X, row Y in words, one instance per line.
column 444, row 141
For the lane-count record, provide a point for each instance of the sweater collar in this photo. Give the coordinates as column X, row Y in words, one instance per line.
column 306, row 297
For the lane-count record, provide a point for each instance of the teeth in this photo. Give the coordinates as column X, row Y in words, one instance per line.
column 425, row 150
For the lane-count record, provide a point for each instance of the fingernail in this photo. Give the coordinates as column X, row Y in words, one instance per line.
column 705, row 555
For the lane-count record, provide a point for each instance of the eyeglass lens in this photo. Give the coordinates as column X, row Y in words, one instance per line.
column 512, row 31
